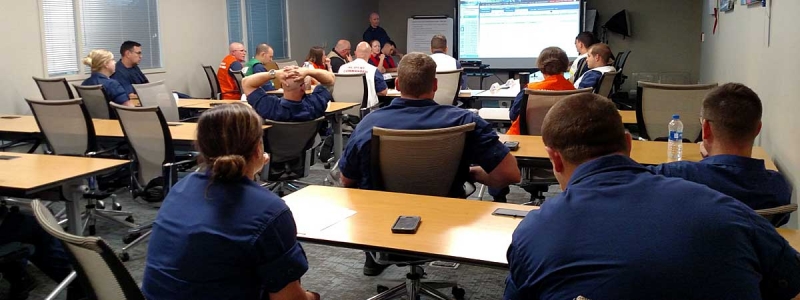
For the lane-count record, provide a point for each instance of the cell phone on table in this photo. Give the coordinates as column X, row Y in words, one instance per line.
column 510, row 212
column 512, row 145
column 406, row 224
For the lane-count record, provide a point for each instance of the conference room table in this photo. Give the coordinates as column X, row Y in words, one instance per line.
column 452, row 229
column 500, row 115
column 464, row 94
column 22, row 175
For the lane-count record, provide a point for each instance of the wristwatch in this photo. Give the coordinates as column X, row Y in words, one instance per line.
column 272, row 73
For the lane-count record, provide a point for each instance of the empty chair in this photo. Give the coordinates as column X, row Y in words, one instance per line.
column 291, row 148
column 619, row 65
column 237, row 76
column 157, row 94
column 98, row 270
column 656, row 103
column 288, row 63
column 605, row 84
column 95, row 101
column 54, row 88
column 448, row 87
column 777, row 215
column 213, row 82
column 352, row 88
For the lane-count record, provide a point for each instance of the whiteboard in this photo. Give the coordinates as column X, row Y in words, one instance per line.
column 420, row 32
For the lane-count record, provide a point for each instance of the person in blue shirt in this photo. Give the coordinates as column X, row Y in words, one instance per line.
column 127, row 71
column 295, row 105
column 493, row 165
column 102, row 63
column 731, row 120
column 220, row 235
column 599, row 59
column 618, row 231
column 375, row 31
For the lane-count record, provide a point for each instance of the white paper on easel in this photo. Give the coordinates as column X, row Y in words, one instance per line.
column 315, row 217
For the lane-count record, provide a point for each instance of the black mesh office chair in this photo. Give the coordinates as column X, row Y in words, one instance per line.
column 213, row 82
column 291, row 146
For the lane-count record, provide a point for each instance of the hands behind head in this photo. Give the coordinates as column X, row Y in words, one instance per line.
column 294, row 72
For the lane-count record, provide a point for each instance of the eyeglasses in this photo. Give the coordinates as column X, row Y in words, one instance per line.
column 241, row 50
column 138, row 53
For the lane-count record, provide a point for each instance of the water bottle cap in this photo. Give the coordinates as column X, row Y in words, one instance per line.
column 676, row 117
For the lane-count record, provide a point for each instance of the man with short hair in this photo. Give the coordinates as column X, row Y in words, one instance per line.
column 232, row 62
column 127, row 71
column 376, row 85
column 583, row 42
column 263, row 56
column 491, row 162
column 731, row 120
column 340, row 55
column 443, row 61
column 295, row 105
column 598, row 58
column 618, row 231
column 375, row 31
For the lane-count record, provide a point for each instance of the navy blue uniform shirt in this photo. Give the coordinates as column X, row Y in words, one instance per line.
column 621, row 232
column 259, row 68
column 743, row 178
column 221, row 241
column 482, row 146
column 375, row 34
column 111, row 88
column 127, row 77
column 276, row 108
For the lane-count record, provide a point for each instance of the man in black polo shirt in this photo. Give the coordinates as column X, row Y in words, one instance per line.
column 375, row 31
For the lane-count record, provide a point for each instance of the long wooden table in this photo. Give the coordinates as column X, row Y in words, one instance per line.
column 24, row 174
column 181, row 131
column 500, row 115
column 644, row 152
column 461, row 94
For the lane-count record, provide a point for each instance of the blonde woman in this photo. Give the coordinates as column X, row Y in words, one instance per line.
column 103, row 65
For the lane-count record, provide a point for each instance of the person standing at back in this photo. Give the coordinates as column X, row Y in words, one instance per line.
column 264, row 54
column 375, row 31
column 583, row 42
column 340, row 55
column 233, row 62
column 127, row 72
column 220, row 235
column 443, row 61
column 731, row 120
column 618, row 231
column 376, row 86
column 102, row 64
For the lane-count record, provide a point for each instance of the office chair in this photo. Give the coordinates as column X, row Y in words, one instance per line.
column 401, row 161
column 606, row 83
column 291, row 147
column 581, row 68
column 154, row 162
column 777, row 215
column 68, row 130
column 619, row 65
column 238, row 76
column 449, row 86
column 213, row 82
column 350, row 88
column 95, row 101
column 656, row 103
column 538, row 174
column 98, row 270
column 288, row 63
column 157, row 94
column 54, row 88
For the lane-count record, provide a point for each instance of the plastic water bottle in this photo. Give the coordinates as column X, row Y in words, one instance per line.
column 675, row 144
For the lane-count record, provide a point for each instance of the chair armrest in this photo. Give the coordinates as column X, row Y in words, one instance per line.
column 179, row 163
column 189, row 119
column 105, row 151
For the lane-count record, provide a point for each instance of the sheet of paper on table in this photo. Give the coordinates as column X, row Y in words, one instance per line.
column 313, row 217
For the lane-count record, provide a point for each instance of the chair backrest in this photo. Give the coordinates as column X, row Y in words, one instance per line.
column 656, row 103
column 777, row 215
column 213, row 82
column 448, row 86
column 537, row 104
column 238, row 76
column 157, row 94
column 54, row 88
column 66, row 125
column 579, row 70
column 422, row 162
column 289, row 140
column 352, row 88
column 288, row 63
column 147, row 132
column 622, row 58
column 605, row 84
column 95, row 100
column 102, row 274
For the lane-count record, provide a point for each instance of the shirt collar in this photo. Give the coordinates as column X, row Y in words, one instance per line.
column 438, row 52
column 604, row 164
column 99, row 75
column 735, row 160
column 413, row 103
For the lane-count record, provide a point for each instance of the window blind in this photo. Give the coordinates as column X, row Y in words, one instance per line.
column 234, row 21
column 266, row 23
column 59, row 37
column 106, row 24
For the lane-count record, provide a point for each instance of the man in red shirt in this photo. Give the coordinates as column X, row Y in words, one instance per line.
column 232, row 62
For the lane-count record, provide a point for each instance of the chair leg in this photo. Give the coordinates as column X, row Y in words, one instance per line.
column 392, row 293
column 62, row 286
column 481, row 192
column 432, row 292
column 108, row 217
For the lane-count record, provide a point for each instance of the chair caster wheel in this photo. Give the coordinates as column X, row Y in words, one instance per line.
column 458, row 293
column 116, row 206
column 129, row 219
column 382, row 288
column 92, row 230
column 131, row 237
column 100, row 204
column 327, row 166
column 124, row 256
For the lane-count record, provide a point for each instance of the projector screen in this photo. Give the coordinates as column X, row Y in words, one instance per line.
column 510, row 34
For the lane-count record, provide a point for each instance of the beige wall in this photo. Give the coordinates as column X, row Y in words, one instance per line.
column 395, row 14
column 323, row 23
column 738, row 52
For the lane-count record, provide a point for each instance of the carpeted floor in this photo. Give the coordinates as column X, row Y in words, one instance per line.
column 335, row 273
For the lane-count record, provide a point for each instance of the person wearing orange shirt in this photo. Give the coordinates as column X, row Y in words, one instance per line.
column 233, row 62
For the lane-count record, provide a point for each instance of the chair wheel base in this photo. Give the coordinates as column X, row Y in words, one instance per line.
column 130, row 219
column 131, row 237
column 116, row 206
column 124, row 256
column 458, row 293
column 382, row 288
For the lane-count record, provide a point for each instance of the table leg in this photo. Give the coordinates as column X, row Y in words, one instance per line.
column 337, row 136
column 74, row 208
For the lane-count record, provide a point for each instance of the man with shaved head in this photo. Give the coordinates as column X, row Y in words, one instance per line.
column 232, row 62
column 340, row 55
column 263, row 56
column 375, row 31
column 377, row 86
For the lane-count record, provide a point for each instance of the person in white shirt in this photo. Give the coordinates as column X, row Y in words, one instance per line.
column 443, row 61
column 598, row 59
column 583, row 42
column 377, row 86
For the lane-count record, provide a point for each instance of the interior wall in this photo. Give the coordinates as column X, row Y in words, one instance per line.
column 395, row 14
column 323, row 23
column 738, row 52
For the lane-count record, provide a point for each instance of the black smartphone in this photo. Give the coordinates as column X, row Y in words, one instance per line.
column 406, row 224
column 512, row 145
column 510, row 212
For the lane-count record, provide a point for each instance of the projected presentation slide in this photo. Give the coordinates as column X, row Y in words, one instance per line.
column 500, row 32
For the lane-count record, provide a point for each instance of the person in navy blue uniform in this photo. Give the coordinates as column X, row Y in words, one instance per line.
column 415, row 109
column 598, row 59
column 731, row 120
column 618, row 231
column 220, row 235
column 375, row 31
column 295, row 105
column 127, row 71
column 102, row 63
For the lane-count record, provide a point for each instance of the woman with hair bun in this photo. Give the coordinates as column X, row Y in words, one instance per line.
column 102, row 63
column 220, row 235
